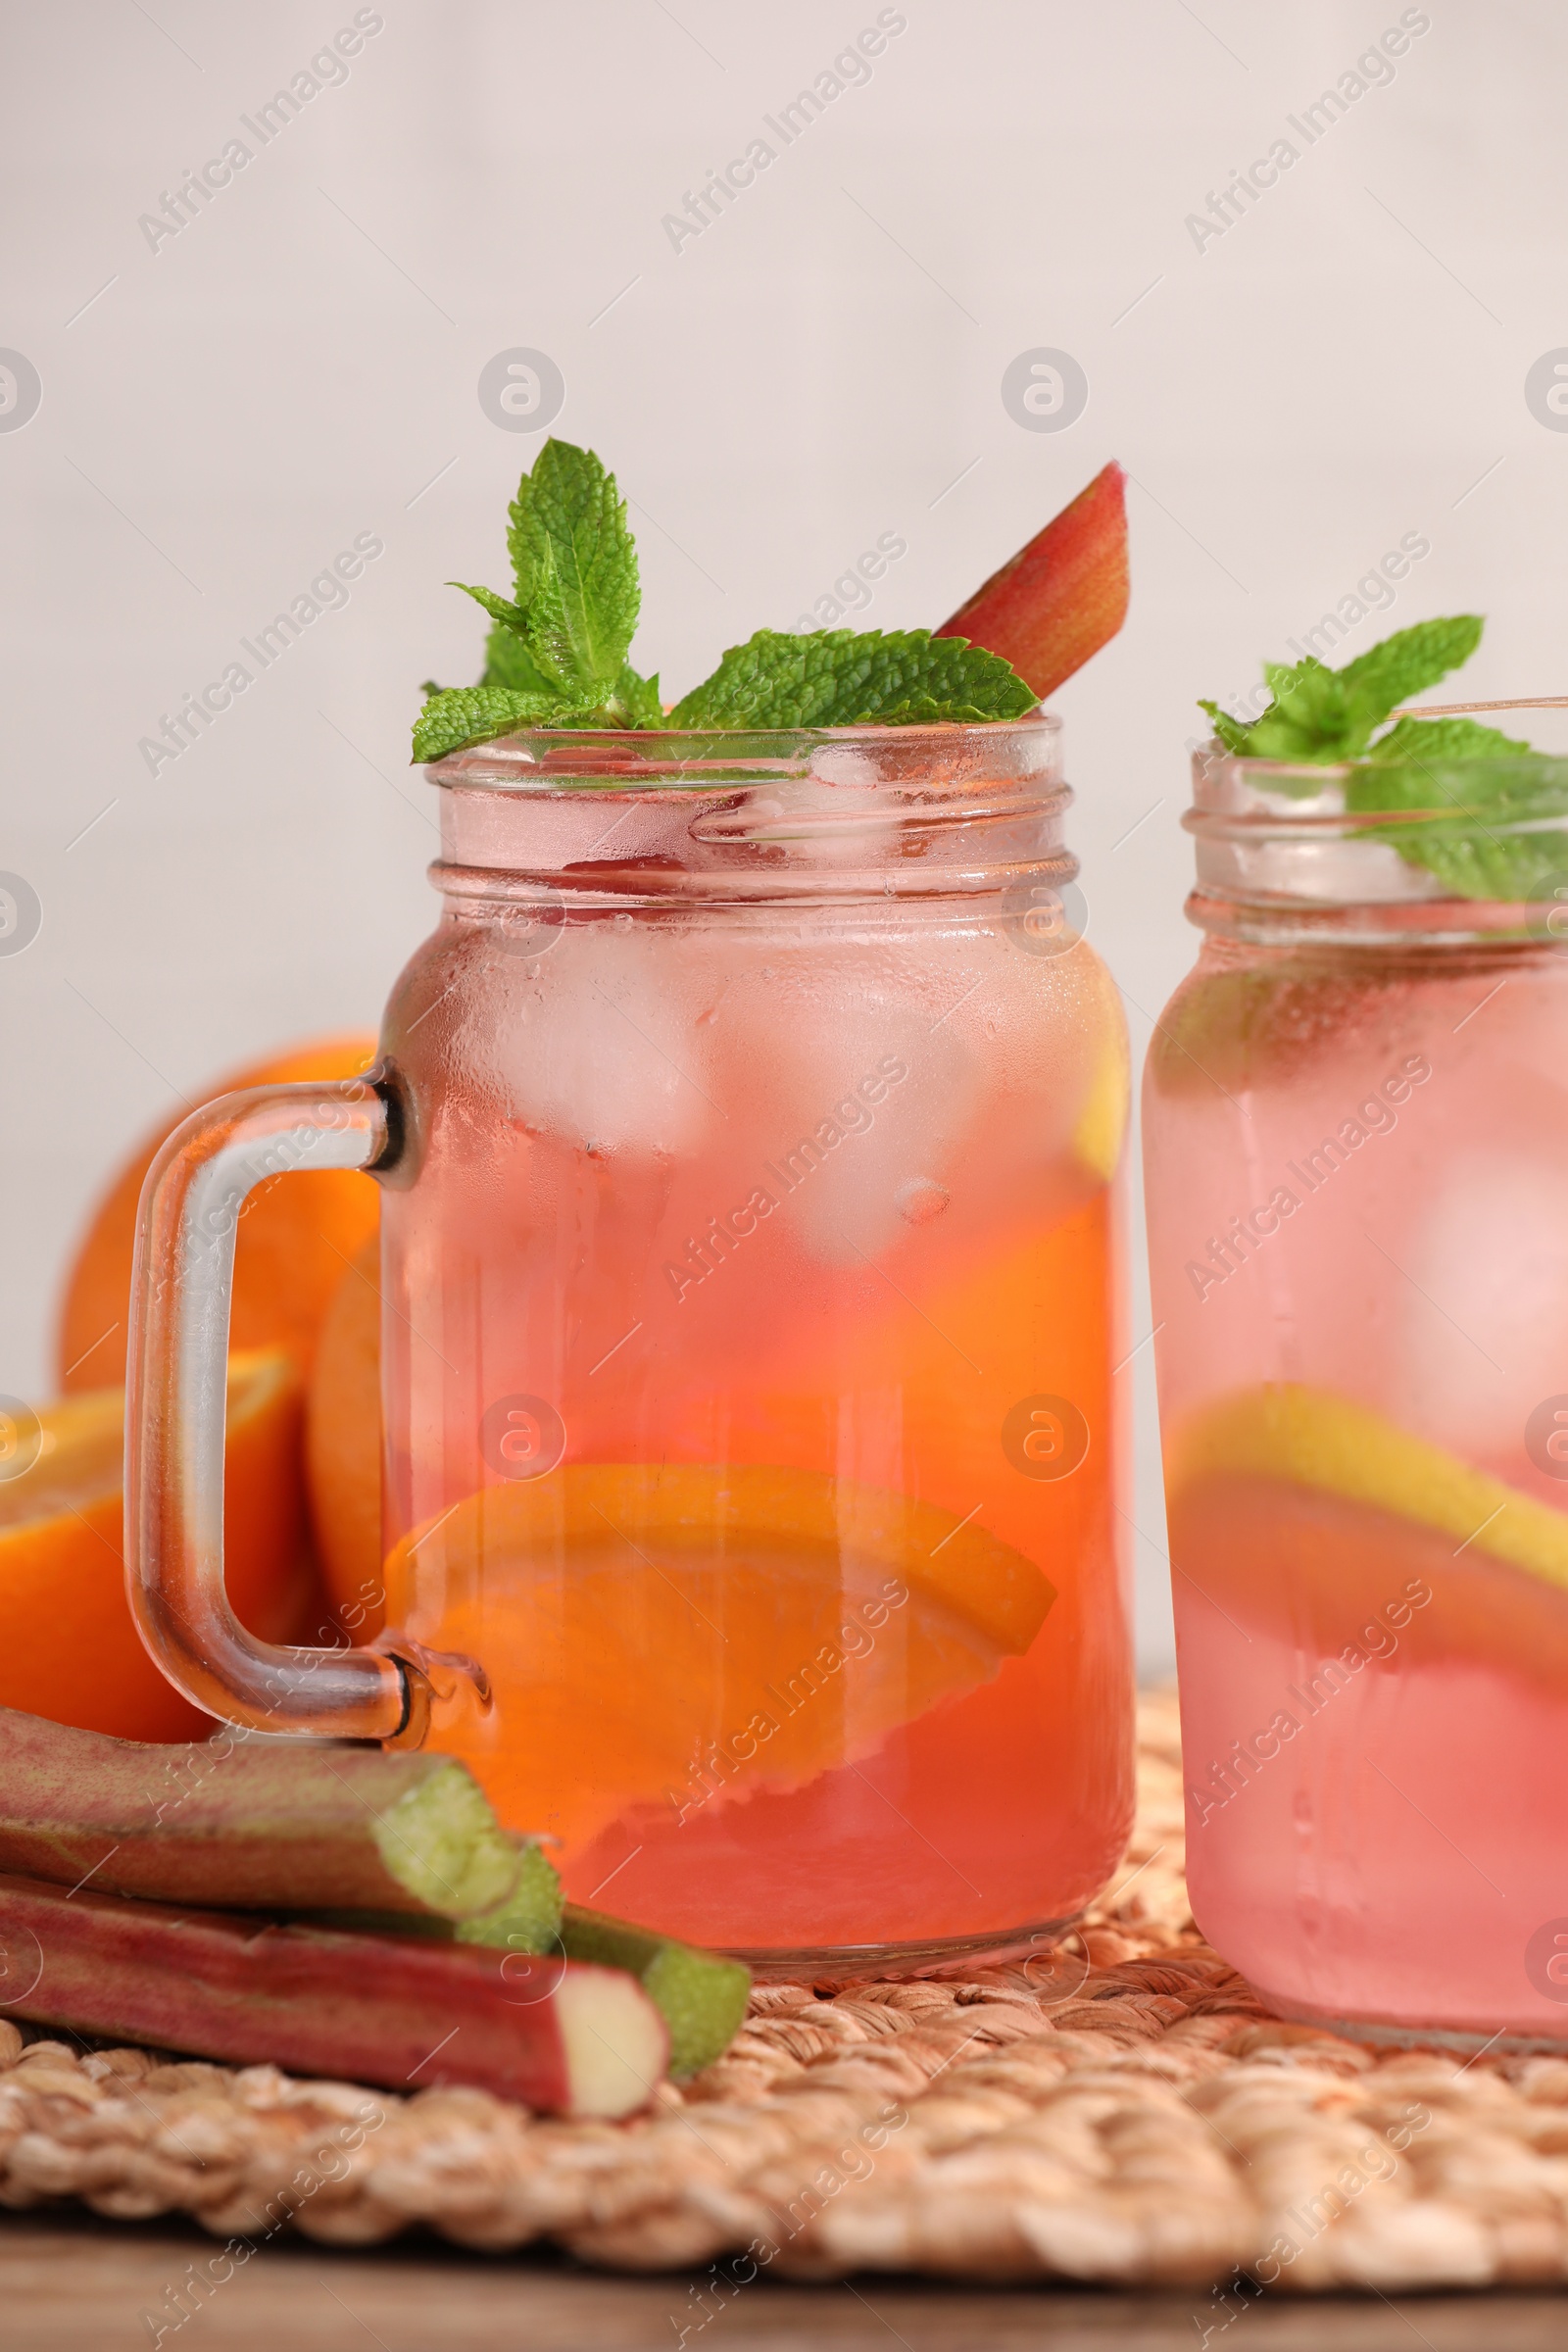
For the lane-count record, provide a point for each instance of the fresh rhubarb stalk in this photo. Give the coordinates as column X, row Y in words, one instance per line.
column 257, row 1826
column 396, row 2010
column 374, row 1841
column 701, row 1997
column 526, row 1920
column 529, row 1918
column 1061, row 597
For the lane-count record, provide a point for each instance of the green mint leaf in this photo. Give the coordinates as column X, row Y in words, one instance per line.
column 1491, row 781
column 1309, row 720
column 576, row 568
column 1411, row 661
column 1231, row 732
column 1324, row 716
column 550, row 621
column 848, row 678
column 507, row 659
column 508, row 663
column 1433, row 744
column 632, row 702
column 511, row 617
column 469, row 715
column 636, row 700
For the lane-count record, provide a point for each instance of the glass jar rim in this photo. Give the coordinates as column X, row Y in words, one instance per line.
column 1300, row 795
column 1219, row 772
column 829, row 814
column 1213, row 763
column 1281, row 857
column 553, row 759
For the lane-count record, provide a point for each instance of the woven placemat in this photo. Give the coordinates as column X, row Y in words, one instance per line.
column 1122, row 2111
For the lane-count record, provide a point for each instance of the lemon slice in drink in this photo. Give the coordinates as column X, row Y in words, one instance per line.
column 1302, row 1514
column 1101, row 1127
column 1102, row 1124
column 651, row 1631
column 1315, row 1437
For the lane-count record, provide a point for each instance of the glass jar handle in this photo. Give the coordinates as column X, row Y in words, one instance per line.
column 175, row 1409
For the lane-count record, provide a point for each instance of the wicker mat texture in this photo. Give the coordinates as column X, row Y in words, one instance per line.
column 1122, row 2110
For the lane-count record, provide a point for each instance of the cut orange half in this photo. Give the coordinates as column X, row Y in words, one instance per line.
column 690, row 1634
column 68, row 1645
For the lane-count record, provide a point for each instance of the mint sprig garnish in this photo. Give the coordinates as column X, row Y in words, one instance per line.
column 855, row 678
column 461, row 715
column 1493, row 783
column 636, row 700
column 1472, row 784
column 575, row 569
column 1320, row 716
column 557, row 651
column 561, row 640
column 1410, row 660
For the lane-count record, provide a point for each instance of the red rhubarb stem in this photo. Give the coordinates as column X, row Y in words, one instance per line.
column 564, row 2038
column 263, row 1826
column 1061, row 597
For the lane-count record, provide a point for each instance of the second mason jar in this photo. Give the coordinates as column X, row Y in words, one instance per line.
column 1356, row 1149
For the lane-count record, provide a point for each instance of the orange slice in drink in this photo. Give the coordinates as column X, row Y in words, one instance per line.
column 1301, row 1511
column 688, row 1633
column 68, row 1645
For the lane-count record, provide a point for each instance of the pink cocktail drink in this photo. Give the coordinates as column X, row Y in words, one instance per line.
column 748, row 1353
column 1358, row 1147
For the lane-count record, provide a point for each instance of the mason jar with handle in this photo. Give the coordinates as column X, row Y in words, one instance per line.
column 1356, row 1138
column 747, row 1133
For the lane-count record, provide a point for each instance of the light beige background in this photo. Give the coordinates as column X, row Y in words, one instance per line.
column 220, row 416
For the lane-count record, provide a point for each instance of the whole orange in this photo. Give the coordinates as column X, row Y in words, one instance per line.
column 296, row 1235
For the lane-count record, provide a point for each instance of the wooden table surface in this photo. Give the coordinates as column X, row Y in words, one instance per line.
column 70, row 2284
